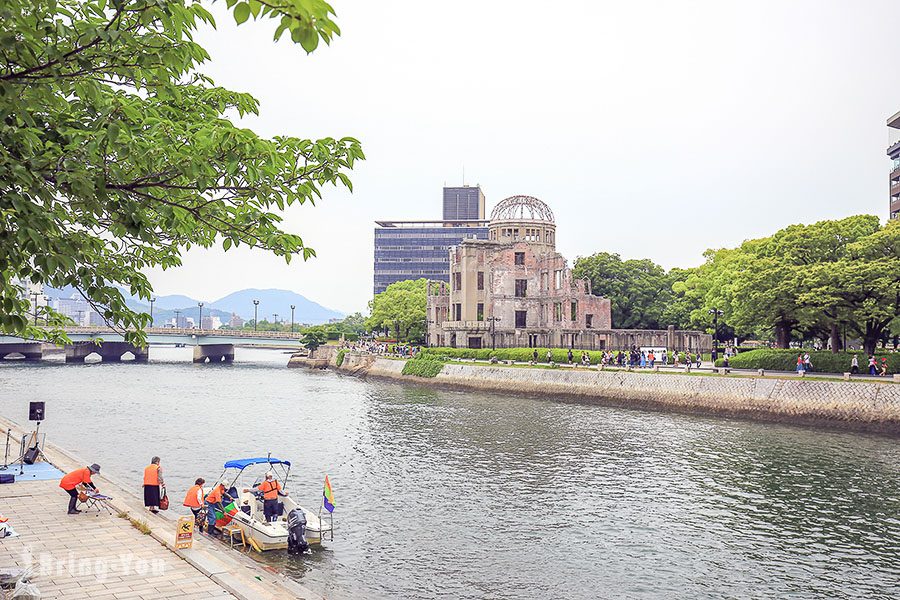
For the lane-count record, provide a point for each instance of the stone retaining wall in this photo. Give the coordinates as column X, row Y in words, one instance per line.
column 858, row 405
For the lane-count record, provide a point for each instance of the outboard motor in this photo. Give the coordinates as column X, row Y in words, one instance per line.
column 296, row 523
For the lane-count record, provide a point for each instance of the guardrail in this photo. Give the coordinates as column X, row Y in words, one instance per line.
column 181, row 331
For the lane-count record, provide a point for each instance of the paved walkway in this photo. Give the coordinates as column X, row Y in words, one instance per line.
column 105, row 557
column 91, row 555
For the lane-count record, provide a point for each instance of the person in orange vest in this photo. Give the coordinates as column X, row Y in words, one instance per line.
column 214, row 500
column 79, row 477
column 194, row 501
column 153, row 483
column 270, row 489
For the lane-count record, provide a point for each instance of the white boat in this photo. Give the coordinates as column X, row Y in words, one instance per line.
column 240, row 477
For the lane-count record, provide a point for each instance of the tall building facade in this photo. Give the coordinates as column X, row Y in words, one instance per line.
column 894, row 154
column 420, row 249
column 515, row 290
column 464, row 203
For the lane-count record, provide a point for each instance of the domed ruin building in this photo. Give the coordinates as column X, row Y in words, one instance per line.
column 515, row 290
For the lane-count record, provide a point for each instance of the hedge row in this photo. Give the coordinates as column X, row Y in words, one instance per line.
column 827, row 362
column 560, row 355
column 423, row 366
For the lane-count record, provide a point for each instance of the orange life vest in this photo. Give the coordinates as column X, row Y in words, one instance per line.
column 269, row 489
column 68, row 482
column 151, row 475
column 192, row 499
column 215, row 495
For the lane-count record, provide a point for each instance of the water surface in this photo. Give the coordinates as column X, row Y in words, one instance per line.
column 446, row 494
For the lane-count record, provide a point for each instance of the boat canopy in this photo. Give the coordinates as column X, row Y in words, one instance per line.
column 243, row 463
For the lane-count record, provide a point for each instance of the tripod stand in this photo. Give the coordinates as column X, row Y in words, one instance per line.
column 27, row 452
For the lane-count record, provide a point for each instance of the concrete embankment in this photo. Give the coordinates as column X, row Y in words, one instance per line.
column 861, row 405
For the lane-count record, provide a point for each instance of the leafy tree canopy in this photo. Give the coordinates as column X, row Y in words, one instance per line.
column 116, row 154
column 400, row 308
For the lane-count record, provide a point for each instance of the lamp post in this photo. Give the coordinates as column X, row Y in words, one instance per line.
column 152, row 300
column 493, row 320
column 47, row 304
column 200, row 317
column 177, row 320
column 275, row 318
column 715, row 312
column 292, row 317
column 255, row 314
column 34, row 305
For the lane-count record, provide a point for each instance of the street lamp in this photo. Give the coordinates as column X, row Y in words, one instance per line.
column 177, row 320
column 255, row 314
column 200, row 317
column 275, row 318
column 47, row 304
column 292, row 317
column 34, row 305
column 493, row 320
column 152, row 300
column 715, row 312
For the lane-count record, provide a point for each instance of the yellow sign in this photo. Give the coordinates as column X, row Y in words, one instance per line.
column 184, row 533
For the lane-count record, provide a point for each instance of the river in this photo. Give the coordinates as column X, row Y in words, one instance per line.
column 447, row 494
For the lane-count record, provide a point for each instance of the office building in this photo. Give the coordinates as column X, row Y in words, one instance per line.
column 420, row 249
column 894, row 154
column 464, row 203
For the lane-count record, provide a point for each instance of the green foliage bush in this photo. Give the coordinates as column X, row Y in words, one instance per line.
column 826, row 362
column 423, row 366
column 340, row 357
column 560, row 355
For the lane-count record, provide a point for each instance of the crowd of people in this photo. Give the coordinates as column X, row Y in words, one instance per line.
column 202, row 504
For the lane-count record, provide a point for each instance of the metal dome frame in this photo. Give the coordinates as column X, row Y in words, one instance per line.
column 522, row 208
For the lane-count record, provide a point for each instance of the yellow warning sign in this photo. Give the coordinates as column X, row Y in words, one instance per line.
column 184, row 533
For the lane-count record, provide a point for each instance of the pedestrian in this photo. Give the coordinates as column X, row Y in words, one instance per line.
column 534, row 356
column 883, row 366
column 194, row 501
column 585, row 360
column 800, row 363
column 643, row 360
column 873, row 365
column 675, row 358
column 153, row 484
column 854, row 365
column 214, row 500
column 699, row 359
column 270, row 489
column 665, row 358
column 570, row 356
column 807, row 363
column 549, row 355
column 652, row 358
column 79, row 478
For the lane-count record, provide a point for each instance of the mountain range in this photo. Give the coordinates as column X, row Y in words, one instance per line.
column 271, row 302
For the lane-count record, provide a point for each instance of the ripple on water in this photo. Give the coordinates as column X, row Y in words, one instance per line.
column 447, row 494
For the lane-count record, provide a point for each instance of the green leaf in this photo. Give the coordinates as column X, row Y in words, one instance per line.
column 241, row 12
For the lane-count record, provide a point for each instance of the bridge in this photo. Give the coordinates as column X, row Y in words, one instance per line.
column 210, row 345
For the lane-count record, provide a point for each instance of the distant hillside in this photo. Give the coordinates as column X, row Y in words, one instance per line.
column 271, row 301
column 276, row 301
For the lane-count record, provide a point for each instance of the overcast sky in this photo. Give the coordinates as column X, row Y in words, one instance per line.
column 652, row 128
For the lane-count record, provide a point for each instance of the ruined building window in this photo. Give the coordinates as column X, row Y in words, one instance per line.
column 521, row 287
column 479, row 313
column 589, row 321
column 520, row 258
column 543, row 280
column 480, row 280
column 574, row 313
column 457, row 312
column 558, row 277
column 521, row 318
column 557, row 311
column 457, row 281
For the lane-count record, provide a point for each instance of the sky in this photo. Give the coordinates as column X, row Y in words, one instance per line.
column 653, row 129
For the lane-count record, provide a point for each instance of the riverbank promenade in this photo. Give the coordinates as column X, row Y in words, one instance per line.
column 105, row 557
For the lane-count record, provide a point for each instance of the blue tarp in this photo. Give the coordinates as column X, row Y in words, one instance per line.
column 243, row 463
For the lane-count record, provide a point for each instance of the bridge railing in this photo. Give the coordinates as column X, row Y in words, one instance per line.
column 181, row 331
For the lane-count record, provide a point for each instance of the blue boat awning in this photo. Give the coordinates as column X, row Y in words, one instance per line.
column 243, row 463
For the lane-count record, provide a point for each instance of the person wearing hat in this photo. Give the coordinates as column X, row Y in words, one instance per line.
column 270, row 489
column 79, row 477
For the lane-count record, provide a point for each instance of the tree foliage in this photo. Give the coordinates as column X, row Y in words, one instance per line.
column 639, row 290
column 313, row 338
column 116, row 153
column 400, row 308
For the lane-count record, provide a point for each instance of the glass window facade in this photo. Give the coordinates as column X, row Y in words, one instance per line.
column 403, row 253
column 463, row 203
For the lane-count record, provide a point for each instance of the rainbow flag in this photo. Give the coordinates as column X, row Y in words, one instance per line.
column 328, row 496
column 223, row 519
